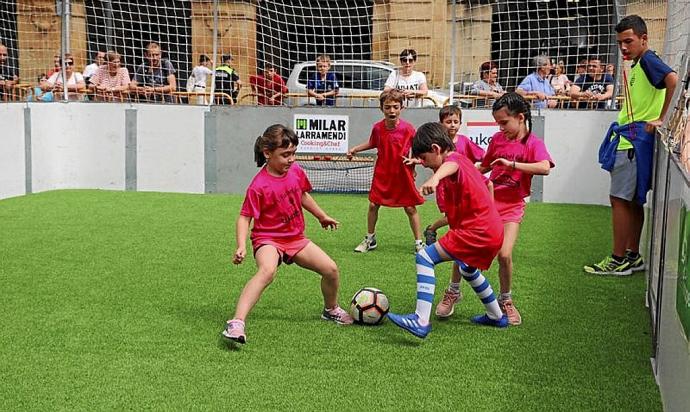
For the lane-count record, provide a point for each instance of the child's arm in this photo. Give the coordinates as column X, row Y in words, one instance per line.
column 446, row 169
column 359, row 148
column 241, row 230
column 537, row 168
column 312, row 207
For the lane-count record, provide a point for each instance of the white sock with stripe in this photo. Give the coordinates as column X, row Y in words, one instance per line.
column 426, row 259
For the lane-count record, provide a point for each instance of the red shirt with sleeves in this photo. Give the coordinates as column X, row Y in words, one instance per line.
column 393, row 184
column 476, row 229
column 265, row 88
column 469, row 149
column 275, row 204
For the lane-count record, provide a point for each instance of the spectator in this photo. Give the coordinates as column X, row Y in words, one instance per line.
column 580, row 69
column 75, row 81
column 111, row 81
column 559, row 81
column 56, row 65
column 269, row 87
column 323, row 86
column 91, row 69
column 488, row 85
column 595, row 85
column 8, row 75
column 154, row 79
column 198, row 78
column 536, row 85
column 611, row 70
column 227, row 80
column 38, row 94
column 410, row 82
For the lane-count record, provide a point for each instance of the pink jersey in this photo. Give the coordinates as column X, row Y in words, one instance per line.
column 275, row 204
column 393, row 184
column 467, row 148
column 476, row 229
column 514, row 185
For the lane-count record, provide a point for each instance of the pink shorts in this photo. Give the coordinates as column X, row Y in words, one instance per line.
column 510, row 211
column 287, row 248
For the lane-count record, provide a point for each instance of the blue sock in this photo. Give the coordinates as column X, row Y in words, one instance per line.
column 426, row 259
column 482, row 288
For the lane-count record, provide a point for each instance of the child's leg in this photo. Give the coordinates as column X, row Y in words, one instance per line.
column 505, row 256
column 312, row 257
column 372, row 217
column 267, row 258
column 442, row 221
column 482, row 288
column 415, row 225
column 452, row 295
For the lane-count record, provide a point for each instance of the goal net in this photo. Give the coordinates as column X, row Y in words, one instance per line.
column 364, row 39
column 338, row 174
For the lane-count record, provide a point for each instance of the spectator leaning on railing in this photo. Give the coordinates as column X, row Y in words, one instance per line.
column 594, row 86
column 488, row 85
column 111, row 81
column 536, row 85
column 154, row 79
column 75, row 81
column 91, row 69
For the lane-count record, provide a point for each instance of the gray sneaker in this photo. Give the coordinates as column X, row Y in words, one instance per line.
column 366, row 245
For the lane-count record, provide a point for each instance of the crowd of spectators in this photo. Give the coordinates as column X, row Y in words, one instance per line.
column 155, row 80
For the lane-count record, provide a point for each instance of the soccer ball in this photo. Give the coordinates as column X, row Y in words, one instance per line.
column 369, row 306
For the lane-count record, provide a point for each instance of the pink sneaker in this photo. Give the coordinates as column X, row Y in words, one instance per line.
column 234, row 331
column 511, row 311
column 446, row 307
column 337, row 315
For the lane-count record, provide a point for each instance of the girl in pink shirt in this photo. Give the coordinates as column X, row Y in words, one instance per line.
column 274, row 201
column 514, row 155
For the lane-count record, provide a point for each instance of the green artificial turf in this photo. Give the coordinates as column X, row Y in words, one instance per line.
column 115, row 301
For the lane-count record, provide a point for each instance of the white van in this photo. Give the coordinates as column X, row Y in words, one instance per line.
column 361, row 82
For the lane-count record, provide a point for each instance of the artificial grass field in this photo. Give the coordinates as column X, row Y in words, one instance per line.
column 115, row 300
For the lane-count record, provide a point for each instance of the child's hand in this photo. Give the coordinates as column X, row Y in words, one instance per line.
column 429, row 186
column 411, row 161
column 328, row 222
column 240, row 254
column 502, row 162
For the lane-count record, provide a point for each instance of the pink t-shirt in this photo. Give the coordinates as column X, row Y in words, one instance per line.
column 275, row 204
column 514, row 185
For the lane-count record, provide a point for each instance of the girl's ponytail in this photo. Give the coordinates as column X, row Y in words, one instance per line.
column 259, row 157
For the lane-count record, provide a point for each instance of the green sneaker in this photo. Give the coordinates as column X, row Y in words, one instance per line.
column 636, row 264
column 609, row 266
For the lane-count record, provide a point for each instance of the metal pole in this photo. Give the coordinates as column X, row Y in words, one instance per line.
column 64, row 46
column 617, row 57
column 215, row 50
column 109, row 26
column 453, row 51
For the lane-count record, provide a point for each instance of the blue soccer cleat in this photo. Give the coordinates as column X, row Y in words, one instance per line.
column 411, row 324
column 485, row 320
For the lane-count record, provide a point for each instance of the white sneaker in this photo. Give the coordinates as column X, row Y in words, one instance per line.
column 418, row 247
column 366, row 245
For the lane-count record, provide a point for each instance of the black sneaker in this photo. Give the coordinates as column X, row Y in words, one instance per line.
column 636, row 263
column 429, row 236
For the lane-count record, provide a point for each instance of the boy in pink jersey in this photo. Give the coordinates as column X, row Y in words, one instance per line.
column 393, row 182
column 514, row 155
column 451, row 118
column 274, row 201
column 473, row 240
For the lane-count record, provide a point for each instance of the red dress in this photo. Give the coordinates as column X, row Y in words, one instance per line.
column 476, row 229
column 393, row 184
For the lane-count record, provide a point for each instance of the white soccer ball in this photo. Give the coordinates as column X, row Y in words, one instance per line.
column 369, row 306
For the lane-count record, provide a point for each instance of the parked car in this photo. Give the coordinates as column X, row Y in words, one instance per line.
column 361, row 78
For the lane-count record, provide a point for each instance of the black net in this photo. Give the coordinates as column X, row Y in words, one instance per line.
column 336, row 174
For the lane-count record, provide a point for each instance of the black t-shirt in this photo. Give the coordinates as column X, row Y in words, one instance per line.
column 587, row 83
column 6, row 73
